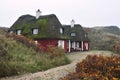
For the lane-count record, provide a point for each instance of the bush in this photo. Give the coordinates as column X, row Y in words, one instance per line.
column 24, row 40
column 3, row 52
column 116, row 48
column 55, row 52
column 16, row 58
column 97, row 68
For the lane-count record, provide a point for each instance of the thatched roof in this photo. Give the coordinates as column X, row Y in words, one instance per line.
column 49, row 28
column 48, row 25
column 77, row 30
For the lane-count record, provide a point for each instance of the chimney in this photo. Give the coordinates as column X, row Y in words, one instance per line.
column 38, row 14
column 72, row 23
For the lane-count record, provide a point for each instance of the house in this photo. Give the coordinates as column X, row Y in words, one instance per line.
column 78, row 38
column 47, row 30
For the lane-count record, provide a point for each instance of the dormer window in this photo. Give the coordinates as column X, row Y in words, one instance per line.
column 19, row 32
column 35, row 31
column 73, row 34
column 61, row 30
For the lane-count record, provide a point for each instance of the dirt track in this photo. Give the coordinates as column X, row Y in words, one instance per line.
column 58, row 72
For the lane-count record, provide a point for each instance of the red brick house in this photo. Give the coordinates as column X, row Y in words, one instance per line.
column 47, row 30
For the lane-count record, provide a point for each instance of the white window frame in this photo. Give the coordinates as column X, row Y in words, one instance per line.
column 35, row 31
column 61, row 30
column 72, row 44
column 73, row 34
column 19, row 32
column 85, row 35
column 78, row 45
column 61, row 44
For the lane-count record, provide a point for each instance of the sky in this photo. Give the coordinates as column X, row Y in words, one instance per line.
column 88, row 13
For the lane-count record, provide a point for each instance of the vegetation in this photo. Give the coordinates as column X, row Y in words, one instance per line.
column 96, row 68
column 18, row 55
column 42, row 22
column 3, row 30
column 24, row 40
column 116, row 48
column 104, row 38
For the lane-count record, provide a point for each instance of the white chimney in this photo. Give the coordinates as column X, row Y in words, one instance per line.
column 72, row 23
column 38, row 14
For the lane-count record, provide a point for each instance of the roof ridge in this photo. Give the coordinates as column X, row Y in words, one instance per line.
column 28, row 15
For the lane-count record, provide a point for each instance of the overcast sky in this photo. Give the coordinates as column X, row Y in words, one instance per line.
column 88, row 13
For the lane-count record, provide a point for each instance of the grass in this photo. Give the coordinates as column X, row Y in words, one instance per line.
column 16, row 58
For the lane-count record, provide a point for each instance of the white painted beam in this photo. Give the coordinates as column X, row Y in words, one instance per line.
column 69, row 46
column 82, row 45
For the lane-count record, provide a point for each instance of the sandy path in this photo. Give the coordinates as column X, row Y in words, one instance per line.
column 58, row 72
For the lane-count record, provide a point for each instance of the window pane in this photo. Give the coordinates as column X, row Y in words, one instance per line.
column 35, row 31
column 61, row 30
column 19, row 32
column 78, row 44
column 73, row 34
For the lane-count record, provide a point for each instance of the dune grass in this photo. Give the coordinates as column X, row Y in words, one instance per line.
column 16, row 58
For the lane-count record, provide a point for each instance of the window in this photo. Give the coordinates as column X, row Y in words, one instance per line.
column 73, row 34
column 78, row 44
column 19, row 32
column 35, row 31
column 73, row 45
column 61, row 44
column 61, row 30
column 11, row 32
column 85, row 35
